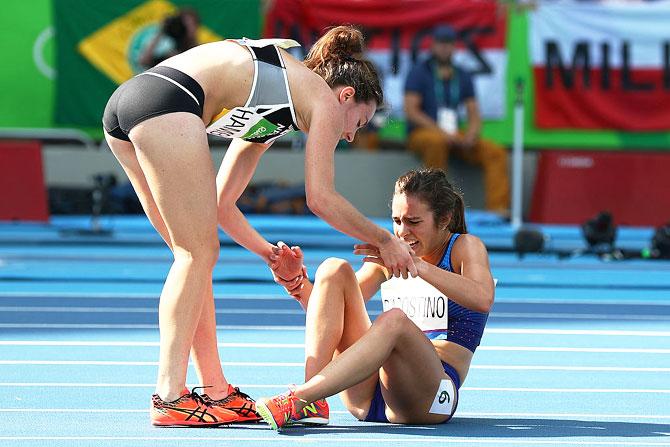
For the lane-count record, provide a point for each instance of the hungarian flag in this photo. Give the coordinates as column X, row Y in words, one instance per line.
column 98, row 45
column 601, row 65
column 398, row 31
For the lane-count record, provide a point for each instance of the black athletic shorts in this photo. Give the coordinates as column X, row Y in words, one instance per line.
column 155, row 92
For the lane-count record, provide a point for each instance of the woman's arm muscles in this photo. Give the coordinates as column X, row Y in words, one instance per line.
column 329, row 205
column 473, row 287
column 234, row 175
column 324, row 200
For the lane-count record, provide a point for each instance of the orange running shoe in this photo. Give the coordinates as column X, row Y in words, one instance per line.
column 316, row 413
column 236, row 401
column 189, row 410
column 278, row 410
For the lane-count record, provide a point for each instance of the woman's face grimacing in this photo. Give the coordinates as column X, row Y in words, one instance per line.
column 414, row 223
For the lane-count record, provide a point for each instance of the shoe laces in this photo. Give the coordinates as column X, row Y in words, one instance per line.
column 232, row 395
column 285, row 402
column 237, row 392
column 198, row 398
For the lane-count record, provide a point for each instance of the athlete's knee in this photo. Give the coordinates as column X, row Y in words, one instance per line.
column 393, row 322
column 200, row 255
column 335, row 269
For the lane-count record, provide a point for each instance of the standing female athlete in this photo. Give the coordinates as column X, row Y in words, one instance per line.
column 391, row 370
column 254, row 92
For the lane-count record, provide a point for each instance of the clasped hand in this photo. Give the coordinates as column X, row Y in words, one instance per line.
column 395, row 255
column 288, row 269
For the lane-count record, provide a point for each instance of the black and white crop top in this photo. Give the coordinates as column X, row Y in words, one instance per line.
column 268, row 113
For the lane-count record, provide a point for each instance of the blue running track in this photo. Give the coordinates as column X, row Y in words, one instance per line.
column 576, row 352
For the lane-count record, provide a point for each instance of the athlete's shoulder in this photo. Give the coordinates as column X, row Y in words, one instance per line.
column 469, row 246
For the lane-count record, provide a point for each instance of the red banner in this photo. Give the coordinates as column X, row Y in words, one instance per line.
column 405, row 20
column 573, row 186
column 23, row 195
column 397, row 30
column 601, row 65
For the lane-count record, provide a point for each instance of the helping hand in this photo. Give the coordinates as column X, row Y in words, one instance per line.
column 294, row 286
column 287, row 263
column 395, row 255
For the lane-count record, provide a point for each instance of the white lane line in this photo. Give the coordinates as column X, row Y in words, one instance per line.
column 140, row 310
column 300, row 365
column 112, row 385
column 137, row 363
column 489, row 330
column 578, row 316
column 142, row 343
column 575, row 349
column 344, row 412
column 336, row 439
column 280, row 296
column 245, row 311
column 465, row 388
column 557, row 415
column 591, row 332
column 134, row 296
column 223, row 344
column 283, row 297
column 568, row 390
column 139, row 326
column 571, row 368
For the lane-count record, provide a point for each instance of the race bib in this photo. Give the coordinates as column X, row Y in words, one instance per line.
column 426, row 306
column 447, row 119
column 248, row 122
column 445, row 398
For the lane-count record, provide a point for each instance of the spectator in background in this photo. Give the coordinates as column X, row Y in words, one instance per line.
column 434, row 90
column 176, row 34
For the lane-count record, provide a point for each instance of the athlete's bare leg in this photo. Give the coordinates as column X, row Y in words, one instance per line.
column 175, row 182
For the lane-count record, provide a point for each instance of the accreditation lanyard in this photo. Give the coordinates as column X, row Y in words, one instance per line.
column 442, row 100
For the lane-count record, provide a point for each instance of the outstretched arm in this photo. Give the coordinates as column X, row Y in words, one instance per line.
column 236, row 171
column 328, row 204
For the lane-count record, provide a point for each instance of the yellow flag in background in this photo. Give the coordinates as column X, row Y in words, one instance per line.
column 114, row 48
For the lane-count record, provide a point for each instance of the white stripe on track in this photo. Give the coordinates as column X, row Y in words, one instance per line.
column 569, row 390
column 222, row 344
column 571, row 368
column 574, row 349
column 466, row 388
column 300, row 365
column 137, row 363
column 142, row 343
column 557, row 415
column 337, row 439
column 139, row 326
column 111, row 385
column 578, row 316
column 459, row 414
column 132, row 296
column 591, row 332
column 245, row 311
column 488, row 330
column 279, row 296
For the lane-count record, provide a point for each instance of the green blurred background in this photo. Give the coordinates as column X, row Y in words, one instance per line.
column 31, row 94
